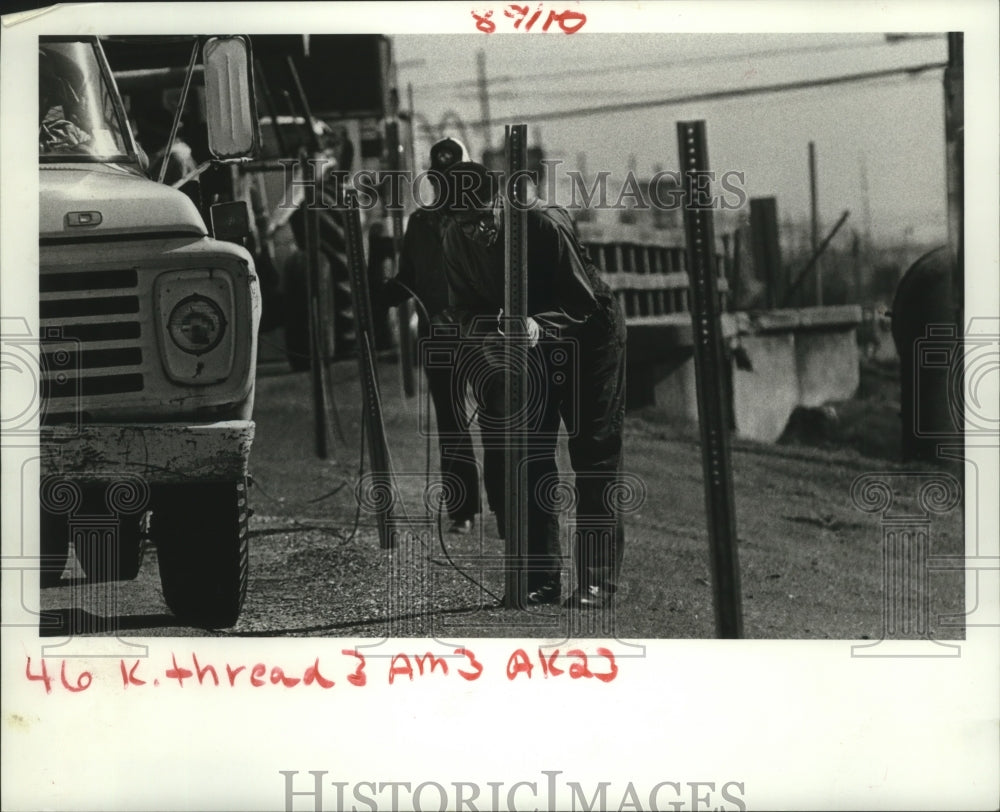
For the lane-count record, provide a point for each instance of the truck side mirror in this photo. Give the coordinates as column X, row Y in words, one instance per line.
column 230, row 221
column 231, row 110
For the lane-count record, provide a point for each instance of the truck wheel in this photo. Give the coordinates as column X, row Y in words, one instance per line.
column 53, row 543
column 200, row 533
column 106, row 558
column 104, row 552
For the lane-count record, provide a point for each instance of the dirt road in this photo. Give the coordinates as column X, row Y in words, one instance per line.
column 811, row 560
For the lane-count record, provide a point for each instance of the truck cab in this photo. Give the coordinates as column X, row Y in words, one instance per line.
column 149, row 342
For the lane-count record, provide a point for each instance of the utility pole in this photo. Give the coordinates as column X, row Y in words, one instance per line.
column 814, row 221
column 628, row 215
column 866, row 204
column 863, row 258
column 413, row 128
column 484, row 98
column 583, row 215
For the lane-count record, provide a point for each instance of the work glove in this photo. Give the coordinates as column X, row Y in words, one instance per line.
column 502, row 351
column 392, row 294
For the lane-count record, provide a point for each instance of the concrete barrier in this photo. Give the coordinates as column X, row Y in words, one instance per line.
column 784, row 358
column 780, row 359
column 797, row 357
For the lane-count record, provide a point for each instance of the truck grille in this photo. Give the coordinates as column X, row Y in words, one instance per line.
column 91, row 338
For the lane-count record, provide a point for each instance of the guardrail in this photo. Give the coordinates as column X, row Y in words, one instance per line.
column 649, row 279
column 789, row 357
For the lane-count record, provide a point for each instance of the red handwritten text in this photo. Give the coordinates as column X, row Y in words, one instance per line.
column 82, row 683
column 191, row 670
column 402, row 665
column 568, row 21
column 520, row 663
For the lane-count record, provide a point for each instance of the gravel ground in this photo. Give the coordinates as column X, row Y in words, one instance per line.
column 810, row 560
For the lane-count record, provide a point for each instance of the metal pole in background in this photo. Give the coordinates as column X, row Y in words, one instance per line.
column 403, row 311
column 814, row 222
column 710, row 370
column 378, row 450
column 270, row 110
column 412, row 139
column 813, row 260
column 179, row 112
column 484, row 99
column 766, row 248
column 516, row 372
column 316, row 365
column 317, row 343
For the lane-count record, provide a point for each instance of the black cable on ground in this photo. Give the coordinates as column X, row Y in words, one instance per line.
column 427, row 466
column 361, row 467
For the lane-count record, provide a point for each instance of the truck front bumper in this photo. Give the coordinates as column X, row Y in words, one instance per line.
column 158, row 452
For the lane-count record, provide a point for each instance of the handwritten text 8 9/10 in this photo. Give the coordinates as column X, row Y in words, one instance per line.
column 569, row 21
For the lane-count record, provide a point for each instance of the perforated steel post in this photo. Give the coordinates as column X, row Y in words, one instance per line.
column 407, row 353
column 710, row 371
column 315, row 315
column 312, row 257
column 516, row 375
column 378, row 451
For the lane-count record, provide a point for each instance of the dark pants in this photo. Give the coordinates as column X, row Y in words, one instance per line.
column 584, row 386
column 459, row 470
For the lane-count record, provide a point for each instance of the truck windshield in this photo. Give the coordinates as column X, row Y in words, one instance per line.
column 78, row 116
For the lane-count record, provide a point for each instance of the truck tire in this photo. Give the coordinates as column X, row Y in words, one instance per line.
column 53, row 544
column 103, row 557
column 200, row 532
column 107, row 539
column 923, row 298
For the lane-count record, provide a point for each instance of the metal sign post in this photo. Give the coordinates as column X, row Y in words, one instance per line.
column 378, row 450
column 710, row 371
column 317, row 342
column 404, row 310
column 315, row 315
column 516, row 372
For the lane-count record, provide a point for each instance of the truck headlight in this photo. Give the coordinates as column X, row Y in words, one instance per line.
column 196, row 324
column 196, row 320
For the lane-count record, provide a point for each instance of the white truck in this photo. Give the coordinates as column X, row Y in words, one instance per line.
column 148, row 339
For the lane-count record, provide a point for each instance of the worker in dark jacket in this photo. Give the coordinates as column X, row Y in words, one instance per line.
column 576, row 334
column 421, row 274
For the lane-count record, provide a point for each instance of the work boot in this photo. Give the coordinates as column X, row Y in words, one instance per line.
column 547, row 592
column 590, row 597
column 462, row 526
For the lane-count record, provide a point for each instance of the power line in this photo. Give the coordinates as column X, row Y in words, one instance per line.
column 563, row 94
column 717, row 95
column 670, row 63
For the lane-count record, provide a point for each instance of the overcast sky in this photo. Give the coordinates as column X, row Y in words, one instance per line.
column 890, row 129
